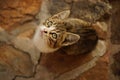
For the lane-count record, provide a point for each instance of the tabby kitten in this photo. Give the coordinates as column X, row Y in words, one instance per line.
column 69, row 34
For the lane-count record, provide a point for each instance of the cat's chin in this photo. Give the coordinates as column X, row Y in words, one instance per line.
column 47, row 50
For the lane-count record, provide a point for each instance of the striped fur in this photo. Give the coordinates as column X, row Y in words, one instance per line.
column 69, row 34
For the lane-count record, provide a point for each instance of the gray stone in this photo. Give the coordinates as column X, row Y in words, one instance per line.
column 89, row 10
column 15, row 62
column 115, row 23
column 26, row 45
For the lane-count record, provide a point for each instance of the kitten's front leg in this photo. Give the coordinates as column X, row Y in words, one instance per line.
column 101, row 29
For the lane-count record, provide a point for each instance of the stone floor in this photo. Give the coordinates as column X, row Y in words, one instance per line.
column 18, row 62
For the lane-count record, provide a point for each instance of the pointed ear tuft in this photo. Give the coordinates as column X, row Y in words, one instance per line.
column 62, row 15
column 70, row 39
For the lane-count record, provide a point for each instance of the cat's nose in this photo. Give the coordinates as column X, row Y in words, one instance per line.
column 45, row 31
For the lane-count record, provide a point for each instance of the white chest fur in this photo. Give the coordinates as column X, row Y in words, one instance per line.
column 41, row 43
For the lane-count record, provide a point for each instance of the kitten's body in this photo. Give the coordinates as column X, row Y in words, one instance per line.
column 88, row 37
column 85, row 34
column 83, row 37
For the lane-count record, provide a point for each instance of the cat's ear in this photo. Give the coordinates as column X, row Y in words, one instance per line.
column 70, row 39
column 62, row 15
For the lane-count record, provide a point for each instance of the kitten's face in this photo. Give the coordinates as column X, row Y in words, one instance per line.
column 52, row 35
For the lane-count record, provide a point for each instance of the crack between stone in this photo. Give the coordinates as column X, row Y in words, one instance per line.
column 34, row 73
column 2, row 16
column 74, row 70
column 32, row 16
column 29, row 57
column 35, row 66
column 9, row 8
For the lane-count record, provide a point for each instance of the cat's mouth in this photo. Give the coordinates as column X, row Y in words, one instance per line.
column 41, row 33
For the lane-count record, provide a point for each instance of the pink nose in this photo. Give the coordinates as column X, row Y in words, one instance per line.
column 45, row 31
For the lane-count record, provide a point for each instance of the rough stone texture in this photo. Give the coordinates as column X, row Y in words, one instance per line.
column 19, row 58
column 15, row 12
column 115, row 25
column 114, row 62
column 99, row 72
column 115, row 41
column 14, row 62
column 84, row 9
column 59, row 66
column 89, row 10
column 116, row 66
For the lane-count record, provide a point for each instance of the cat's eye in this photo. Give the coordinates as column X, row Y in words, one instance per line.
column 54, row 35
column 49, row 23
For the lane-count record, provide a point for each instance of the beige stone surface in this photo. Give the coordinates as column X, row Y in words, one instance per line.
column 14, row 62
column 26, row 45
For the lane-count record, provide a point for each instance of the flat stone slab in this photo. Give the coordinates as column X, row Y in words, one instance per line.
column 60, row 66
column 13, row 63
